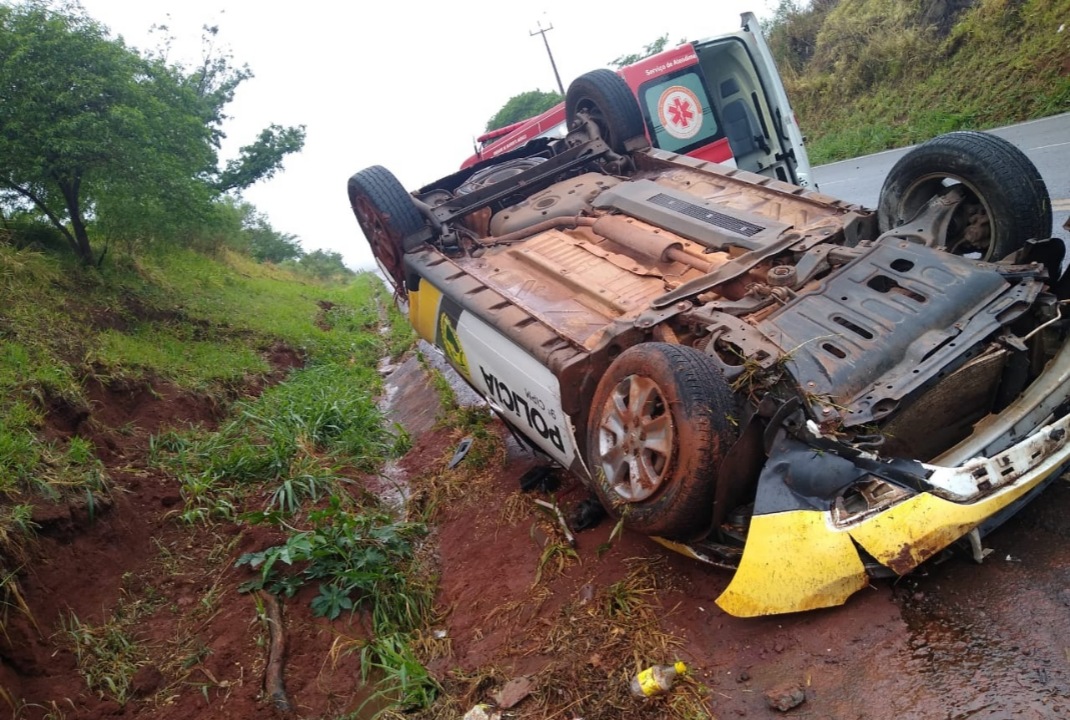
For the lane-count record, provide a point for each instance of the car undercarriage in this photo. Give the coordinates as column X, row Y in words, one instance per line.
column 764, row 377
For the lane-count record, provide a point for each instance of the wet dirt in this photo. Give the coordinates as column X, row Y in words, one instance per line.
column 957, row 640
column 199, row 646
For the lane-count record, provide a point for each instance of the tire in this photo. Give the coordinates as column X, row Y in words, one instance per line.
column 1007, row 201
column 609, row 102
column 657, row 433
column 387, row 215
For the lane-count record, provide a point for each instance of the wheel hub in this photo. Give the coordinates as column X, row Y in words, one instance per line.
column 384, row 246
column 635, row 439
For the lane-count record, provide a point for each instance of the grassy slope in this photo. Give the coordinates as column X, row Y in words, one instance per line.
column 197, row 322
column 206, row 326
column 882, row 75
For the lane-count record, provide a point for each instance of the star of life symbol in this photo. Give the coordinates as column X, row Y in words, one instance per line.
column 680, row 112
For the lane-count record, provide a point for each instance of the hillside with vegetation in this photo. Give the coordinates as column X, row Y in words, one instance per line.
column 160, row 416
column 182, row 386
column 866, row 75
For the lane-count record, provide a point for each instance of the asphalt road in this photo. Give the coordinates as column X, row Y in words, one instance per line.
column 1045, row 141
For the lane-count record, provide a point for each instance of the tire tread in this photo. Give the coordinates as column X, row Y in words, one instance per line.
column 1013, row 187
column 618, row 106
column 682, row 510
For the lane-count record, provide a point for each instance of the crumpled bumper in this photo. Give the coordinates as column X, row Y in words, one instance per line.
column 801, row 558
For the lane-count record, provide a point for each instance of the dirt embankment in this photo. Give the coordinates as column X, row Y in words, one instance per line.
column 957, row 641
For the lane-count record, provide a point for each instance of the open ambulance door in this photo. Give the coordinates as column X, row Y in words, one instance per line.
column 744, row 87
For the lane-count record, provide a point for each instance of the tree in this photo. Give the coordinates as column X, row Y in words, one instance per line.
column 324, row 264
column 90, row 127
column 523, row 106
column 262, row 159
column 652, row 49
column 267, row 244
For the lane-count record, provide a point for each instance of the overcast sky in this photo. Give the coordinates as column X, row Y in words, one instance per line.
column 400, row 84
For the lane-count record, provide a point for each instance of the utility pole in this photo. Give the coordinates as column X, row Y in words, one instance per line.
column 542, row 31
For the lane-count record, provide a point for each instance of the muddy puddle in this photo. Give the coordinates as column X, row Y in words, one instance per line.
column 993, row 640
column 411, row 401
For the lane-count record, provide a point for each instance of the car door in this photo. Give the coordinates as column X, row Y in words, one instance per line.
column 746, row 89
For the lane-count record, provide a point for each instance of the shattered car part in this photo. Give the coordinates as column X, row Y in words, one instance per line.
column 758, row 375
column 459, row 454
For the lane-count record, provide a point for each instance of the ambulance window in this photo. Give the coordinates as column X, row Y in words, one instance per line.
column 678, row 113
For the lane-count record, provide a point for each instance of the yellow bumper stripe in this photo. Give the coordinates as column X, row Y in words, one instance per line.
column 906, row 535
column 793, row 561
column 423, row 310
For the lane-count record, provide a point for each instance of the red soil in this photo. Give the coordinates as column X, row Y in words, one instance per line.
column 961, row 641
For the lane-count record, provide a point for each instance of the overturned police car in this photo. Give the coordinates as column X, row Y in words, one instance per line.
column 759, row 375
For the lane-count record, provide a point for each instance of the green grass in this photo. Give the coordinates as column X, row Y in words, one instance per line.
column 329, row 406
column 20, row 450
column 403, row 682
column 294, row 444
column 171, row 354
column 880, row 78
column 247, row 299
column 108, row 655
column 210, row 326
column 205, row 324
column 34, row 370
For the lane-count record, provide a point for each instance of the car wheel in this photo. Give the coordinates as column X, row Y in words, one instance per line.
column 658, row 431
column 387, row 215
column 1006, row 199
column 608, row 101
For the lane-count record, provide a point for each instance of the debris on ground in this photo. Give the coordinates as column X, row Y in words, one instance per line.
column 273, row 673
column 462, row 449
column 556, row 511
column 588, row 514
column 482, row 712
column 540, row 478
column 514, row 692
column 785, row 696
column 657, row 679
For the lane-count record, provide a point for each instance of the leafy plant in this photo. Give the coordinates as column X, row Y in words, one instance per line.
column 360, row 557
column 331, row 601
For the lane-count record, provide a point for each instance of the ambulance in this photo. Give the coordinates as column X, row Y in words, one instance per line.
column 719, row 100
